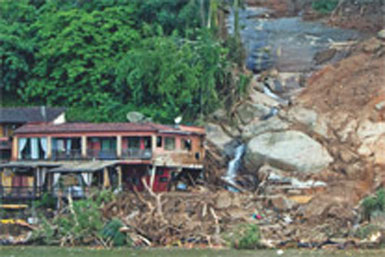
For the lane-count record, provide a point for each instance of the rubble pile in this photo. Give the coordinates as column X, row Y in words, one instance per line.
column 320, row 154
column 177, row 218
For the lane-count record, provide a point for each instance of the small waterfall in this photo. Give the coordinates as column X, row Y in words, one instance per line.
column 233, row 167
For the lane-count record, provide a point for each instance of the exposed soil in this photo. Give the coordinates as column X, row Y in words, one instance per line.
column 354, row 85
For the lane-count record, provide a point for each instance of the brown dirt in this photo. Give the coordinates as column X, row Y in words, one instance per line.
column 344, row 92
column 353, row 85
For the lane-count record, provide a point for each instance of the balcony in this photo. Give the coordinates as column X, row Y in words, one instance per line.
column 102, row 154
column 73, row 154
column 20, row 193
column 5, row 143
column 143, row 154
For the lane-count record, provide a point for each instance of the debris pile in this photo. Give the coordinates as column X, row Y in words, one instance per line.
column 180, row 218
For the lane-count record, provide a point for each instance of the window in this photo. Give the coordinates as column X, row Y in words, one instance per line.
column 186, row 144
column 134, row 142
column 169, row 143
column 163, row 179
column 159, row 142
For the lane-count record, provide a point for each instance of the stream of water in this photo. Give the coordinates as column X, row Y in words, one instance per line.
column 233, row 167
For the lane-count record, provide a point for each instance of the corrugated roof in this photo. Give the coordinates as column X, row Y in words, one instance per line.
column 29, row 114
column 91, row 166
column 29, row 164
column 91, row 127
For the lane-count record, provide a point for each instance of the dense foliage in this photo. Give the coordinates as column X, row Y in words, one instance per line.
column 324, row 6
column 104, row 58
column 246, row 236
column 372, row 204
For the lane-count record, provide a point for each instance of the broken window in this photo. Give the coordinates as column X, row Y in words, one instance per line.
column 169, row 143
column 159, row 142
column 186, row 144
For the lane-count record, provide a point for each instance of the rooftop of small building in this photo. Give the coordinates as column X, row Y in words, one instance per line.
column 29, row 114
column 106, row 127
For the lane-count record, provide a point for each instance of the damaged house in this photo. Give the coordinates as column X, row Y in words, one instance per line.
column 73, row 158
column 12, row 118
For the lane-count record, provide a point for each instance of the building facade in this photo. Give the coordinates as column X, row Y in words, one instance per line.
column 14, row 117
column 73, row 158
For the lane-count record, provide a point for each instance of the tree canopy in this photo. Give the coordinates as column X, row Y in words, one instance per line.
column 103, row 58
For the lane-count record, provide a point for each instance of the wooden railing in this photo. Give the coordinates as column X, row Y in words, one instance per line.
column 109, row 154
column 135, row 153
column 20, row 192
column 74, row 154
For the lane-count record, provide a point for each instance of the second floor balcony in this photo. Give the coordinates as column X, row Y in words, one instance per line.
column 84, row 148
column 72, row 154
column 102, row 154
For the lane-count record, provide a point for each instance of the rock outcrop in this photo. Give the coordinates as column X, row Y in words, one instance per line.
column 289, row 150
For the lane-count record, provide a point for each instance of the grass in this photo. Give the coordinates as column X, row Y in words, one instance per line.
column 87, row 252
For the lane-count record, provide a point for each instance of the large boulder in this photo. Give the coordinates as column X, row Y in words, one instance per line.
column 257, row 97
column 218, row 138
column 288, row 150
column 258, row 127
column 372, row 137
column 309, row 118
column 250, row 111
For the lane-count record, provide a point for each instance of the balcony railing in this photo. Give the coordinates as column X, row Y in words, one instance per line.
column 109, row 154
column 135, row 153
column 74, row 154
column 28, row 157
column 74, row 191
column 5, row 143
column 20, row 193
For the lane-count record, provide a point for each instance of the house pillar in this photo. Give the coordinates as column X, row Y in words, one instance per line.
column 84, row 146
column 152, row 178
column 49, row 147
column 153, row 143
column 106, row 178
column 119, row 146
column 120, row 176
column 15, row 148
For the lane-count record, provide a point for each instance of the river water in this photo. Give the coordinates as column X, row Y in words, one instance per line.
column 84, row 252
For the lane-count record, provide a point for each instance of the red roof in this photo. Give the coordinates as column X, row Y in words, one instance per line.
column 96, row 127
column 90, row 127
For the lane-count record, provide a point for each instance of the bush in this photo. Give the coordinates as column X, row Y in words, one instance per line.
column 247, row 236
column 324, row 6
column 81, row 223
column 111, row 233
column 374, row 203
column 365, row 231
column 46, row 201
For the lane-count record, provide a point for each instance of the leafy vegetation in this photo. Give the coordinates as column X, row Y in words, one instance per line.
column 246, row 236
column 46, row 201
column 374, row 204
column 104, row 58
column 81, row 222
column 111, row 232
column 324, row 6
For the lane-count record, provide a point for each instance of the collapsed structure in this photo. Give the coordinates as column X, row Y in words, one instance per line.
column 72, row 158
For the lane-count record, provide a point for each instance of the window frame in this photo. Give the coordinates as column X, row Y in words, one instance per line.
column 166, row 147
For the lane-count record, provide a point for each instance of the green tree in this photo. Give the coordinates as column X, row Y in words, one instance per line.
column 16, row 44
column 185, row 75
column 77, row 54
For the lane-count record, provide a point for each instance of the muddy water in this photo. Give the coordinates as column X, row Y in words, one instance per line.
column 287, row 43
column 83, row 252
